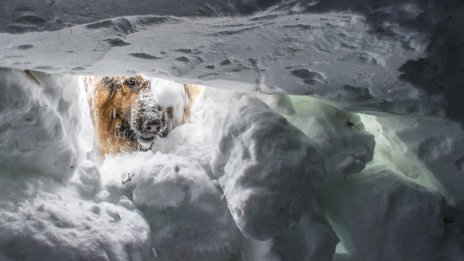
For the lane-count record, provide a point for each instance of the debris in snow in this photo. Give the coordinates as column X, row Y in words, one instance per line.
column 129, row 178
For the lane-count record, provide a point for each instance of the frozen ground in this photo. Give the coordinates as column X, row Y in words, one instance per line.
column 367, row 165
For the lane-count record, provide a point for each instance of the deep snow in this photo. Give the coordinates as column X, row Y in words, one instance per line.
column 326, row 176
column 376, row 170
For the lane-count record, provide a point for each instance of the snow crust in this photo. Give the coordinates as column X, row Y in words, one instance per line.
column 340, row 135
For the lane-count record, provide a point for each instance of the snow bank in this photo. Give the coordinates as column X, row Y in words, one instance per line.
column 46, row 221
column 267, row 169
column 189, row 219
column 415, row 148
column 340, row 135
column 38, row 125
column 379, row 215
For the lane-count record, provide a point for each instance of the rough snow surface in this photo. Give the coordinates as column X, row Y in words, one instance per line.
column 339, row 56
column 47, row 221
column 340, row 135
column 379, row 215
column 266, row 181
column 38, row 125
column 200, row 193
column 187, row 214
column 415, row 148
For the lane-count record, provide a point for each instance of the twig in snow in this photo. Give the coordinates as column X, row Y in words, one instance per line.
column 129, row 178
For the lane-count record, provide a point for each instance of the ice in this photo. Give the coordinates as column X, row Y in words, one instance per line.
column 266, row 167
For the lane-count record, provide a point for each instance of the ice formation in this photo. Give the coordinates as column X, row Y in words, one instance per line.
column 370, row 167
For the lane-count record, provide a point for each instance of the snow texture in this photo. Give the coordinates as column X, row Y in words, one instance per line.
column 237, row 182
column 188, row 217
column 340, row 135
column 344, row 52
column 379, row 215
column 415, row 148
column 267, row 168
column 45, row 221
column 200, row 188
column 38, row 125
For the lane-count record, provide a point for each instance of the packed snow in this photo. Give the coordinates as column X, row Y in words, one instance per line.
column 327, row 130
column 250, row 177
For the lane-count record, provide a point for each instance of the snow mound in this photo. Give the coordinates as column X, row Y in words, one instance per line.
column 340, row 135
column 87, row 179
column 189, row 219
column 311, row 239
column 45, row 221
column 38, row 125
column 415, row 148
column 267, row 169
column 380, row 215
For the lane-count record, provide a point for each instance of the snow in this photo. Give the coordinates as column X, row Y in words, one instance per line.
column 379, row 215
column 336, row 56
column 38, row 125
column 189, row 219
column 265, row 178
column 44, row 220
column 250, row 177
column 371, row 159
column 340, row 135
column 415, row 148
